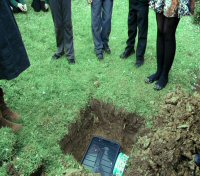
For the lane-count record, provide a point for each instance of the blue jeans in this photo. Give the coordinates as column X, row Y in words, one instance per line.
column 101, row 23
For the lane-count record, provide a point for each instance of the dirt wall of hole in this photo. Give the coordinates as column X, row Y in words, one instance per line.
column 104, row 120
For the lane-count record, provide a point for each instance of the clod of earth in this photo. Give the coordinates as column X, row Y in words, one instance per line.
column 173, row 141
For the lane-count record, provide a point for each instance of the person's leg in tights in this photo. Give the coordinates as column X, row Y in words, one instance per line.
column 170, row 26
column 160, row 48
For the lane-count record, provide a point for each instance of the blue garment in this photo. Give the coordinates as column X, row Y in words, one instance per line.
column 101, row 23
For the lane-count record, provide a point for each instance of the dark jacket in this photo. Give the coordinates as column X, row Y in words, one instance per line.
column 13, row 56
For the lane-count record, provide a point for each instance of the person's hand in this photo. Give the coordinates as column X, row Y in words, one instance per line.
column 46, row 6
column 89, row 1
column 20, row 6
column 25, row 8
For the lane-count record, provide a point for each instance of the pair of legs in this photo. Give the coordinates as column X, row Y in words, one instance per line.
column 101, row 25
column 166, row 49
column 61, row 13
column 137, row 24
column 7, row 116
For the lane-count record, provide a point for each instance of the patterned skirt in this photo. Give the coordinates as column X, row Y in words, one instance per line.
column 173, row 8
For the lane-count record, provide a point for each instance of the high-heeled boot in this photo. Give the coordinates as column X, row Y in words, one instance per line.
column 5, row 123
column 7, row 113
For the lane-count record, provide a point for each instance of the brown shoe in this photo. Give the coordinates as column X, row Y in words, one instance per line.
column 7, row 113
column 5, row 123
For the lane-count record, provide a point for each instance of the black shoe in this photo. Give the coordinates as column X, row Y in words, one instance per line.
column 161, row 84
column 42, row 4
column 158, row 87
column 151, row 79
column 100, row 57
column 127, row 53
column 107, row 50
column 57, row 56
column 71, row 61
column 139, row 63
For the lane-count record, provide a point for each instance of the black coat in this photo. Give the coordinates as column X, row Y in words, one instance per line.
column 13, row 56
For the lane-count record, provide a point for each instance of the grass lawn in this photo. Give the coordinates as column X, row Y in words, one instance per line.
column 50, row 94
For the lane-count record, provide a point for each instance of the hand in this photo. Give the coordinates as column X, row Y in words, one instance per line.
column 90, row 1
column 46, row 6
column 20, row 6
column 25, row 8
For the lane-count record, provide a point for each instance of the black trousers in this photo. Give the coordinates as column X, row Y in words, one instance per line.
column 137, row 23
column 61, row 13
column 101, row 23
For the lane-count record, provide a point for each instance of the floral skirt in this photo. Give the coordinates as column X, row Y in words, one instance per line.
column 173, row 8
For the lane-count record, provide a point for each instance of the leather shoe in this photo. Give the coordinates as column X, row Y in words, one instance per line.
column 127, row 53
column 107, row 50
column 100, row 57
column 139, row 63
column 71, row 61
column 57, row 56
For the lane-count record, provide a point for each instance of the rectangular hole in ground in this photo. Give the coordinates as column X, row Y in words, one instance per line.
column 101, row 119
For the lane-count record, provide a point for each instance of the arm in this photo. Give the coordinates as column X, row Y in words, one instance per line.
column 22, row 2
column 14, row 3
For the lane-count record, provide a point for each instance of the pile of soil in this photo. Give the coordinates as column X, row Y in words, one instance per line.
column 169, row 149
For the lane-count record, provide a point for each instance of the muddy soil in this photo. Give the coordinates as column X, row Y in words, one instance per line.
column 100, row 119
column 174, row 140
column 197, row 85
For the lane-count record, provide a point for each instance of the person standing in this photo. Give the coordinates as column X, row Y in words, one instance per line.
column 101, row 25
column 137, row 23
column 168, row 14
column 61, row 13
column 13, row 60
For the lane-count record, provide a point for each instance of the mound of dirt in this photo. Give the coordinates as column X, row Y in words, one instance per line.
column 175, row 138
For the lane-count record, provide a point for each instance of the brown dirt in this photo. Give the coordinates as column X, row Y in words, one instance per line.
column 174, row 140
column 100, row 119
column 12, row 171
column 39, row 171
column 197, row 85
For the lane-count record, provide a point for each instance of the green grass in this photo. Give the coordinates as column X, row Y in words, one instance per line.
column 49, row 95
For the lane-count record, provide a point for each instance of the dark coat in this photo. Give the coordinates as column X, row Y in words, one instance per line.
column 13, row 56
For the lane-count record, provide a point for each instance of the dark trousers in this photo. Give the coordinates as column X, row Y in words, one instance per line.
column 101, row 23
column 61, row 13
column 137, row 23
